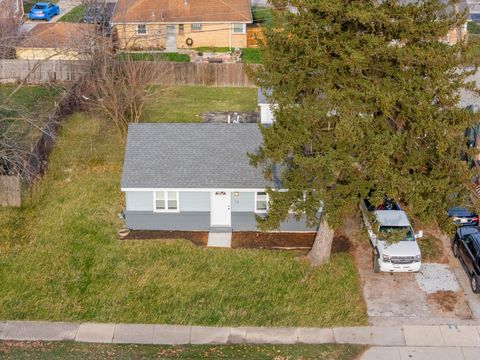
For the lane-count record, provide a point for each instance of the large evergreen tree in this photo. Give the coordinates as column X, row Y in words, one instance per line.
column 367, row 103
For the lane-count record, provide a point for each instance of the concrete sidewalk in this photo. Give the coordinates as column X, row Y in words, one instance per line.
column 404, row 336
column 421, row 353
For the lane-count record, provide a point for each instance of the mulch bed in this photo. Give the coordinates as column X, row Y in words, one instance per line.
column 272, row 240
column 199, row 238
column 341, row 244
column 247, row 239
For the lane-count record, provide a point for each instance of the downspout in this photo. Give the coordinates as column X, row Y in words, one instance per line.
column 230, row 37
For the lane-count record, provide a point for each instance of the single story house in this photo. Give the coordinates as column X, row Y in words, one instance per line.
column 55, row 41
column 196, row 177
column 180, row 24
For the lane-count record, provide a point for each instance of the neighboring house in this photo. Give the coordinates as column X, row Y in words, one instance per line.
column 267, row 115
column 56, row 41
column 196, row 177
column 455, row 34
column 177, row 24
column 458, row 33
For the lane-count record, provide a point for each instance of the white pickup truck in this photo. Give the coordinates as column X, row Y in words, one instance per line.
column 402, row 256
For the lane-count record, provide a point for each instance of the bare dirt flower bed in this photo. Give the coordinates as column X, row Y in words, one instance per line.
column 272, row 240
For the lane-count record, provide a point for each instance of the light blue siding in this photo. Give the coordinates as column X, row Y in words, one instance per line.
column 200, row 221
column 186, row 221
column 194, row 201
column 139, row 200
column 244, row 221
column 244, row 202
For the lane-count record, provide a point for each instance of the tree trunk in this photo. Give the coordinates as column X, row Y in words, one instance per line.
column 322, row 246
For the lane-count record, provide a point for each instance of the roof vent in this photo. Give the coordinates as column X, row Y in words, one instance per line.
column 185, row 2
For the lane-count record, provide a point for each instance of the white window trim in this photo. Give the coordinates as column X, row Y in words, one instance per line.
column 244, row 30
column 141, row 34
column 255, row 203
column 196, row 30
column 166, row 210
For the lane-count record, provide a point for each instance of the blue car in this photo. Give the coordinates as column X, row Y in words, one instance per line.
column 462, row 216
column 43, row 11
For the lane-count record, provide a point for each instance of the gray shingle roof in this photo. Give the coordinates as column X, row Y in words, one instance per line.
column 191, row 155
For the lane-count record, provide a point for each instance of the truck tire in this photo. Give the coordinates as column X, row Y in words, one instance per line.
column 376, row 265
column 475, row 283
column 455, row 249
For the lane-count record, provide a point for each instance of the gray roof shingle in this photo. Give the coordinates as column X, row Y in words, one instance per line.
column 192, row 155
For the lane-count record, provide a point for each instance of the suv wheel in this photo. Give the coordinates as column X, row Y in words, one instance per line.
column 475, row 283
column 376, row 265
column 455, row 249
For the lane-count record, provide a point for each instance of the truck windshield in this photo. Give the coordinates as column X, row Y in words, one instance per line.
column 402, row 233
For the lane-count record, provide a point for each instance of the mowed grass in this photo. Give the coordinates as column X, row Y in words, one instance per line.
column 27, row 109
column 72, row 350
column 74, row 16
column 60, row 259
column 139, row 56
column 189, row 103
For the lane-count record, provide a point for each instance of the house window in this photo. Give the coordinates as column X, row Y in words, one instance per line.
column 181, row 29
column 196, row 27
column 239, row 28
column 166, row 201
column 261, row 202
column 141, row 29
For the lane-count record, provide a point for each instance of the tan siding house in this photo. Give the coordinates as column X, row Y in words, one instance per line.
column 181, row 24
column 55, row 41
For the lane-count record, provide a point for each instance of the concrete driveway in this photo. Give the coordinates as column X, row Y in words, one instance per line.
column 65, row 7
column 433, row 296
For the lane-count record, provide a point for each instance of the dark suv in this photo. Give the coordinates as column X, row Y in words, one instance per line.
column 466, row 247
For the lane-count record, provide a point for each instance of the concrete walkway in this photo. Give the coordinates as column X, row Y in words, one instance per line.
column 445, row 336
column 421, row 353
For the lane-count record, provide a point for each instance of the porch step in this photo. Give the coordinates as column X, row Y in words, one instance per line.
column 220, row 239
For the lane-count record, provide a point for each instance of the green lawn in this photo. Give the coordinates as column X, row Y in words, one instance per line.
column 188, row 103
column 72, row 350
column 75, row 15
column 473, row 28
column 214, row 49
column 139, row 56
column 60, row 259
column 27, row 109
column 262, row 15
column 251, row 56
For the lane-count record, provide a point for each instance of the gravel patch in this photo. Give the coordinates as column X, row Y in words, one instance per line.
column 436, row 277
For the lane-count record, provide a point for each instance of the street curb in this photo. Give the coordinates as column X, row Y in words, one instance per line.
column 399, row 336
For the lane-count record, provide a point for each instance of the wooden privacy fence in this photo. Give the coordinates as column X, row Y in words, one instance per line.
column 10, row 190
column 254, row 36
column 173, row 73
column 40, row 72
column 36, row 161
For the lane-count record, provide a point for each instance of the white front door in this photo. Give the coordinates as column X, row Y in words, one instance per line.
column 171, row 38
column 220, row 212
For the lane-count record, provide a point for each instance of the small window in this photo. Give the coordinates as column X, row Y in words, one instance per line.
column 196, row 27
column 166, row 201
column 172, row 200
column 160, row 200
column 261, row 202
column 141, row 29
column 239, row 28
column 181, row 29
